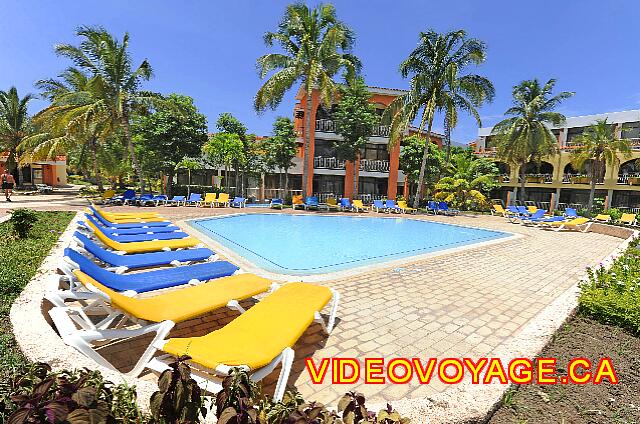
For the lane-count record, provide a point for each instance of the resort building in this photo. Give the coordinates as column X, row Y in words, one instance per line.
column 378, row 168
column 51, row 172
column 555, row 182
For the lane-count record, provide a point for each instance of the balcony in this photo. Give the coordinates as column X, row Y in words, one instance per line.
column 328, row 126
column 536, row 178
column 487, row 152
column 320, row 162
column 366, row 165
column 579, row 179
column 629, row 179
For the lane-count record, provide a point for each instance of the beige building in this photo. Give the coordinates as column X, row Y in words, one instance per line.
column 556, row 181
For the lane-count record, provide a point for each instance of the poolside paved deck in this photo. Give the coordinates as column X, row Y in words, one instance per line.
column 468, row 303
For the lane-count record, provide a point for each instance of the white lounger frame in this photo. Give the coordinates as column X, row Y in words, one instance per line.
column 77, row 330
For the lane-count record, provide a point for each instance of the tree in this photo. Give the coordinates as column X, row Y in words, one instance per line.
column 227, row 123
column 165, row 137
column 190, row 165
column 480, row 173
column 600, row 145
column 281, row 148
column 75, row 120
column 354, row 119
column 15, row 126
column 101, row 54
column 527, row 136
column 224, row 149
column 316, row 47
column 462, row 193
column 435, row 67
column 411, row 160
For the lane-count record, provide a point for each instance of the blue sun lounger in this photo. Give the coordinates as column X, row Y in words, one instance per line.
column 442, row 206
column 311, row 202
column 141, row 260
column 129, row 238
column 571, row 213
column 392, row 206
column 175, row 201
column 378, row 206
column 238, row 202
column 432, row 206
column 536, row 216
column 193, row 199
column 146, row 281
column 123, row 198
column 276, row 204
column 128, row 231
column 522, row 210
column 345, row 204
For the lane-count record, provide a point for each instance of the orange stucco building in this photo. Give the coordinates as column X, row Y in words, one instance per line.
column 379, row 174
column 51, row 172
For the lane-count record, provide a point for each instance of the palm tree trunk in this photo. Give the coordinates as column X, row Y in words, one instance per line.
column 447, row 139
column 423, row 166
column 594, row 179
column 170, row 184
column 96, row 168
column 124, row 121
column 307, row 147
column 286, row 183
column 523, row 181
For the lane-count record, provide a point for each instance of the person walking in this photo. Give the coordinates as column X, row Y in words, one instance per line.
column 8, row 182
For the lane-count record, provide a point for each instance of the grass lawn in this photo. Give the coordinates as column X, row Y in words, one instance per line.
column 19, row 261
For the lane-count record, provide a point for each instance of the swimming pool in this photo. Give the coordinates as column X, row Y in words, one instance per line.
column 317, row 244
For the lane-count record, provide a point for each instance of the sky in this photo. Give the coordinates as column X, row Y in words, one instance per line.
column 208, row 49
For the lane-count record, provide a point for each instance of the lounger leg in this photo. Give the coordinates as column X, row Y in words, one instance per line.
column 328, row 326
column 287, row 362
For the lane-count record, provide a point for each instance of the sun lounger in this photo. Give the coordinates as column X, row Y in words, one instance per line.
column 444, row 208
column 432, row 206
column 391, row 206
column 156, row 200
column 129, row 218
column 358, row 206
column 345, row 204
column 297, row 202
column 257, row 341
column 123, row 215
column 157, row 314
column 193, row 200
column 123, row 198
column 628, row 219
column 129, row 231
column 144, row 246
column 209, row 200
column 106, row 196
column 571, row 225
column 140, row 282
column 129, row 238
column 223, row 200
column 532, row 209
column 121, row 263
column 276, row 204
column 522, row 210
column 175, row 201
column 571, row 213
column 402, row 204
column 114, row 226
column 378, row 206
column 238, row 202
column 311, row 202
column 536, row 216
column 332, row 204
column 602, row 218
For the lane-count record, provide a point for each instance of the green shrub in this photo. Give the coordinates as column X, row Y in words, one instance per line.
column 23, row 221
column 613, row 296
column 615, row 214
column 38, row 395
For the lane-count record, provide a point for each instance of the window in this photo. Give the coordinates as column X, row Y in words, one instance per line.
column 375, row 186
column 325, row 149
column 375, row 152
column 631, row 130
column 572, row 133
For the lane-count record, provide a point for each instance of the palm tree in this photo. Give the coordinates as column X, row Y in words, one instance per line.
column 527, row 136
column 15, row 126
column 75, row 118
column 316, row 47
column 599, row 145
column 435, row 67
column 102, row 55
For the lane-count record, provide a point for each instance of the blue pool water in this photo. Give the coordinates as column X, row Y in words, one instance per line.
column 315, row 244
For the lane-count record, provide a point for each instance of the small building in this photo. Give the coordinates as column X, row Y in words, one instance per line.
column 51, row 172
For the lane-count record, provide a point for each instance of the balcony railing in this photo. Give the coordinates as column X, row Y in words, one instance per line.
column 320, row 162
column 536, row 178
column 579, row 179
column 369, row 165
column 327, row 125
column 629, row 179
column 486, row 151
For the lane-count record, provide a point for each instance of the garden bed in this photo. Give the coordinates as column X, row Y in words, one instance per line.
column 19, row 262
column 604, row 403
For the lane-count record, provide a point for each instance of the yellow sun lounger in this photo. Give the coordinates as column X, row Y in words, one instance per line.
column 143, row 246
column 532, row 209
column 602, row 218
column 402, row 204
column 209, row 200
column 258, row 340
column 358, row 206
column 628, row 219
column 127, row 218
column 157, row 314
column 125, row 214
column 223, row 200
column 570, row 225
